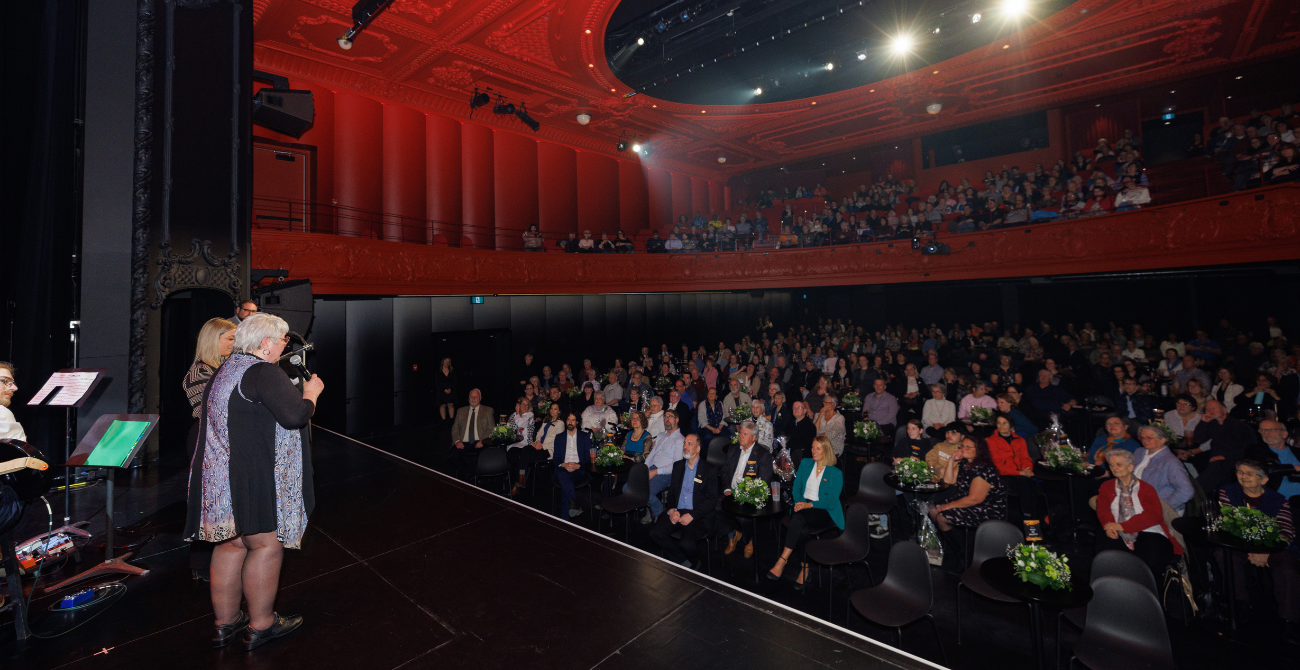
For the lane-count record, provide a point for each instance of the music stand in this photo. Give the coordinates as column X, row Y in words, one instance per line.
column 111, row 443
column 68, row 388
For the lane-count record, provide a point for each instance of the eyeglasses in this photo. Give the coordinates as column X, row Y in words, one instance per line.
column 6, row 382
column 1262, row 430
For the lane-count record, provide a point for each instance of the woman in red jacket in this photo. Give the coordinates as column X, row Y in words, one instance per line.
column 1011, row 458
column 1101, row 202
column 1129, row 511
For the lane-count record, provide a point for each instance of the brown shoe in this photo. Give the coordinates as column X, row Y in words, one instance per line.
column 514, row 490
column 731, row 543
column 749, row 549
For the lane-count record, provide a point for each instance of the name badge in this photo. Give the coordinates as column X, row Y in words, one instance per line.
column 699, row 481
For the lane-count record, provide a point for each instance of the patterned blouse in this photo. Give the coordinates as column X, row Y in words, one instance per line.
column 196, row 380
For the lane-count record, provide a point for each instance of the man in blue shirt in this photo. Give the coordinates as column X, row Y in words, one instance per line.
column 693, row 496
column 1283, row 458
column 1204, row 348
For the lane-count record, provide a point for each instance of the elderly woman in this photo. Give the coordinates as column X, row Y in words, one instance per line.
column 830, row 423
column 1158, row 466
column 977, row 493
column 251, row 480
column 1130, row 514
column 540, row 448
column 216, row 340
column 766, row 434
column 1183, row 419
column 1284, row 566
column 817, row 509
column 1116, row 436
column 938, row 411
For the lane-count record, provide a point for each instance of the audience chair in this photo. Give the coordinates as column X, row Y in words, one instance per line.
column 635, row 496
column 491, row 463
column 852, row 546
column 992, row 539
column 534, row 473
column 904, row 597
column 555, row 497
column 874, row 494
column 718, row 445
column 1109, row 563
column 1125, row 628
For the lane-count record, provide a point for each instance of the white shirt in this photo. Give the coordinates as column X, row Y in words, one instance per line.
column 523, row 423
column 571, row 448
column 1143, row 461
column 667, row 450
column 469, row 425
column 598, row 418
column 814, row 484
column 740, row 467
column 656, row 424
column 10, row 429
column 1177, row 425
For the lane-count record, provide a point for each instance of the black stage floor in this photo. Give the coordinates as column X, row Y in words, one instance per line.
column 403, row 567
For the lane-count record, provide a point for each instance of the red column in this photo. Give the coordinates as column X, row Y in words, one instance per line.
column 659, row 188
column 442, row 178
column 321, row 135
column 597, row 194
column 681, row 197
column 478, row 199
column 716, row 203
column 404, row 179
column 633, row 203
column 358, row 163
column 515, row 166
column 727, row 203
column 557, row 191
column 700, row 196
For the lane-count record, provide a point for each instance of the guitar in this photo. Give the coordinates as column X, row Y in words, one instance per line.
column 32, row 476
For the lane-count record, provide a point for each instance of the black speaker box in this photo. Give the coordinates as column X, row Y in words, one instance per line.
column 285, row 111
column 291, row 301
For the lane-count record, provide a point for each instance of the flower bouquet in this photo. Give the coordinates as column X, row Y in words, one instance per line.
column 851, row 400
column 574, row 392
column 912, row 471
column 1034, row 564
column 626, row 419
column 981, row 416
column 609, row 455
column 502, row 433
column 742, row 412
column 752, row 491
column 1249, row 524
column 1065, row 457
column 866, row 430
column 663, row 385
column 1166, row 431
column 544, row 407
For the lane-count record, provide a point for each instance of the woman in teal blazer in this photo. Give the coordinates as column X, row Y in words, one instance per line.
column 817, row 508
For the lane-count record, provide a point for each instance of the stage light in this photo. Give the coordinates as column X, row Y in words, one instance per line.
column 758, row 91
column 660, row 26
column 363, row 12
column 522, row 114
column 862, row 56
column 503, row 108
column 621, row 145
column 936, row 31
column 934, row 108
column 975, row 18
column 646, row 151
column 640, row 41
column 830, row 66
column 1014, row 7
column 722, row 159
column 636, row 148
column 686, row 16
column 901, row 45
column 478, row 100
column 583, row 118
column 345, row 43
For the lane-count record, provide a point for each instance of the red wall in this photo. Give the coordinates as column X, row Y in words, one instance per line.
column 598, row 209
column 479, row 197
column 442, row 151
column 682, row 202
column 404, row 175
column 557, row 190
column 358, row 166
column 515, row 164
column 1084, row 127
column 633, row 200
column 659, row 189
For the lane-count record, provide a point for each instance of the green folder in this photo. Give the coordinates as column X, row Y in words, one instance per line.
column 117, row 444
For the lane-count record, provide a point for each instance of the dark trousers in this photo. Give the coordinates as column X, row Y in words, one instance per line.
column 803, row 525
column 568, row 482
column 1284, row 568
column 728, row 524
column 685, row 549
column 463, row 461
column 1153, row 548
column 521, row 458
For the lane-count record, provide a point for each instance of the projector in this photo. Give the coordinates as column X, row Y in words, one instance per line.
column 935, row 249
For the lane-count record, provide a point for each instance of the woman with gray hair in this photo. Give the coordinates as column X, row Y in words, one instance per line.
column 830, row 423
column 762, row 425
column 1130, row 514
column 251, row 480
column 1158, row 466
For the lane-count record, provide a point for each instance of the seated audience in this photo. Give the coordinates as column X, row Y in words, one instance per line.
column 1114, row 435
column 1283, row 566
column 816, row 492
column 745, row 459
column 1010, row 454
column 1131, row 516
column 1159, row 467
column 693, row 497
column 667, row 450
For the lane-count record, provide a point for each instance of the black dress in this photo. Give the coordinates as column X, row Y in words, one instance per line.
column 444, row 387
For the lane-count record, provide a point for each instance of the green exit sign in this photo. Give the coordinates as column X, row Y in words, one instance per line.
column 477, row 300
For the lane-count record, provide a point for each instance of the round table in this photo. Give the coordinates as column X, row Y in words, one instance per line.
column 919, row 493
column 1050, row 474
column 998, row 573
column 1193, row 530
column 773, row 508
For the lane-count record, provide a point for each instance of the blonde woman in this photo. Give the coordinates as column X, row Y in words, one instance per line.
column 817, row 509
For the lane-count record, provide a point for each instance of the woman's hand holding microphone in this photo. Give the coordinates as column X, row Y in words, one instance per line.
column 311, row 389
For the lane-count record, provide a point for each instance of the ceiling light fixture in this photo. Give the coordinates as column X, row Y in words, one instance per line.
column 862, row 56
column 975, row 18
column 722, row 159
column 1014, row 7
column 830, row 66
column 583, row 118
column 901, row 45
column 640, row 41
column 934, row 108
column 758, row 91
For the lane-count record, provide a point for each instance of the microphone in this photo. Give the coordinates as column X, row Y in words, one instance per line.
column 297, row 363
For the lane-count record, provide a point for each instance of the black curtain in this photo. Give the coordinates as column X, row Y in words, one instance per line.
column 43, row 63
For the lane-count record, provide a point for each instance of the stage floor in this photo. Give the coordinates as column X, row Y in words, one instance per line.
column 403, row 567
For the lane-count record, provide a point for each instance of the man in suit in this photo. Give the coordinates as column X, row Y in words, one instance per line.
column 693, row 497
column 746, row 459
column 572, row 451
column 473, row 423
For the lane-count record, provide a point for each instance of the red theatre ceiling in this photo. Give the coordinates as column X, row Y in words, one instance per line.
column 430, row 54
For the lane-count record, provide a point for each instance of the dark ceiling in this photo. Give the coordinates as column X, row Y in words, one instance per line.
column 719, row 51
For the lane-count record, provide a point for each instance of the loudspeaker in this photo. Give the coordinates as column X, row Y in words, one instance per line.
column 935, row 249
column 285, row 111
column 291, row 301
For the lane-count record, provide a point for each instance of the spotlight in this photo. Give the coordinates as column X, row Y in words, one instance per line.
column 686, row 16
column 478, row 99
column 502, row 107
column 758, row 91
column 936, row 249
column 636, row 148
column 527, row 120
column 862, row 56
column 345, row 43
column 646, row 151
column 661, row 26
column 916, row 243
column 621, row 146
column 640, row 41
column 830, row 66
column 936, row 31
column 1014, row 7
column 901, row 45
column 363, row 12
column 975, row 18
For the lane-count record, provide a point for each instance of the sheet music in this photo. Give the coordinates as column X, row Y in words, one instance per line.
column 75, row 385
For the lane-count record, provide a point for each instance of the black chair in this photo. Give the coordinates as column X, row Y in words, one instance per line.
column 534, row 473
column 635, row 496
column 717, row 454
column 1109, row 563
column 874, row 494
column 555, row 497
column 491, row 463
column 1125, row 629
column 852, row 546
column 992, row 539
column 708, row 549
column 904, row 597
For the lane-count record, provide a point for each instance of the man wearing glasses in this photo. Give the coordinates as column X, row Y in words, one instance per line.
column 10, row 429
column 245, row 309
column 1282, row 458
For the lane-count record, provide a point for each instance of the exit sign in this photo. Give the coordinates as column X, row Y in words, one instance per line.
column 477, row 300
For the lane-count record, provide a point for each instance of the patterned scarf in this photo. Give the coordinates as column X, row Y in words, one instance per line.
column 1126, row 509
column 217, row 523
column 1111, row 443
